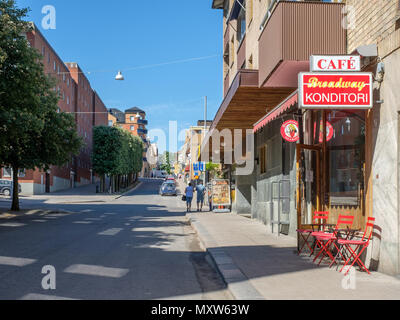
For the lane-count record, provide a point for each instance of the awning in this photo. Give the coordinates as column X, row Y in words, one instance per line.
column 187, row 169
column 276, row 112
column 237, row 6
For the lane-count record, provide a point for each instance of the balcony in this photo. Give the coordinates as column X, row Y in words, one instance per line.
column 142, row 131
column 294, row 31
column 141, row 121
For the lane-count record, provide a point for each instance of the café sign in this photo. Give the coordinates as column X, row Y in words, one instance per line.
column 335, row 90
column 335, row 63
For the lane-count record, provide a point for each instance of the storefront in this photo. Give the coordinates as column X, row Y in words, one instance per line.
column 305, row 166
column 331, row 165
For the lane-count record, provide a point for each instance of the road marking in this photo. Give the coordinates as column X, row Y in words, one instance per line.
column 39, row 220
column 87, row 210
column 37, row 296
column 110, row 213
column 17, row 262
column 83, row 222
column 93, row 219
column 92, row 270
column 110, row 232
column 12, row 224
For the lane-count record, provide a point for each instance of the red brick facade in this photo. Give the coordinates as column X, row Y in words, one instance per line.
column 78, row 98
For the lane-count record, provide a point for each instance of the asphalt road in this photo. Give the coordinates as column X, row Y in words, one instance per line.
column 137, row 247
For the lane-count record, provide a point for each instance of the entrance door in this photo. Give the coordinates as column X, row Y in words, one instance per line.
column 47, row 181
column 308, row 183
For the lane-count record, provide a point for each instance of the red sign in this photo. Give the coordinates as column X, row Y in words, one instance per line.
column 329, row 131
column 290, row 131
column 335, row 90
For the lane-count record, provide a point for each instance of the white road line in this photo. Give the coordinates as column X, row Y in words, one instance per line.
column 12, row 224
column 93, row 270
column 17, row 262
column 37, row 296
column 93, row 219
column 82, row 222
column 110, row 232
column 39, row 220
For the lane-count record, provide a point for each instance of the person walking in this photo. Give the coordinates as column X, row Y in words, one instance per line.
column 189, row 197
column 200, row 189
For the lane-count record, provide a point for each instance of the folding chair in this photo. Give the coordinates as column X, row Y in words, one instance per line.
column 325, row 240
column 360, row 246
column 306, row 233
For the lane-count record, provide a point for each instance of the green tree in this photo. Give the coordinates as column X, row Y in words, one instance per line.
column 116, row 153
column 33, row 133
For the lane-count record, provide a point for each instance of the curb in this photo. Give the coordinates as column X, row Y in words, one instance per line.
column 237, row 283
column 126, row 192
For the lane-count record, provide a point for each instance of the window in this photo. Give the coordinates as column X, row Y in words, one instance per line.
column 55, row 66
column 262, row 157
column 241, row 25
column 7, row 172
column 132, row 128
column 110, row 123
column 132, row 118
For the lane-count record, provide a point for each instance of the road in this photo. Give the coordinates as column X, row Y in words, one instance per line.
column 137, row 247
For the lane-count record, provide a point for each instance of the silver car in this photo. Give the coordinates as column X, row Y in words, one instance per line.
column 168, row 188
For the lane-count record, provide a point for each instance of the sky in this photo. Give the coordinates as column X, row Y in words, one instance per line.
column 170, row 53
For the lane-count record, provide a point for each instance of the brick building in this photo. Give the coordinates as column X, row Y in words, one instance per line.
column 134, row 121
column 266, row 44
column 78, row 98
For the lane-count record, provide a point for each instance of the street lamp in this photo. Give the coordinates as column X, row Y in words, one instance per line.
column 119, row 76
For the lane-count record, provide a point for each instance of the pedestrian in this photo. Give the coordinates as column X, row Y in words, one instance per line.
column 200, row 189
column 189, row 197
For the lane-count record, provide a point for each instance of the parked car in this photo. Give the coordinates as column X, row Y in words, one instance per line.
column 168, row 188
column 6, row 187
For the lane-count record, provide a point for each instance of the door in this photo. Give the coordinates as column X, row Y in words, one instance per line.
column 308, row 191
column 47, row 181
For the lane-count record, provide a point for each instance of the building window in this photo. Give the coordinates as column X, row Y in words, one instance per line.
column 55, row 66
column 132, row 118
column 7, row 172
column 241, row 25
column 110, row 123
column 263, row 165
column 132, row 128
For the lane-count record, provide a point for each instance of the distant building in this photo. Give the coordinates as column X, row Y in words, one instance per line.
column 134, row 121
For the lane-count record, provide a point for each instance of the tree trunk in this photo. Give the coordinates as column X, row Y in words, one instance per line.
column 15, row 195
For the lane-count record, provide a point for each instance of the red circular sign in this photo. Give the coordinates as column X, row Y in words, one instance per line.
column 329, row 131
column 290, row 131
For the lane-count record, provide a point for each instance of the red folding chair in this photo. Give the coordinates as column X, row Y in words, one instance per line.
column 326, row 239
column 360, row 246
column 319, row 216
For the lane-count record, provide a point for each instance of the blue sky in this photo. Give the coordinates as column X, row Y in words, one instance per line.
column 105, row 36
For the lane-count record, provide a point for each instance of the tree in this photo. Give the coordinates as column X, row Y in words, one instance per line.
column 116, row 153
column 33, row 133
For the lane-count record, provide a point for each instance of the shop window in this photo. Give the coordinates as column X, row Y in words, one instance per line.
column 346, row 150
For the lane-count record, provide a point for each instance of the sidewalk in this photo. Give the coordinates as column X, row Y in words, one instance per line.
column 257, row 265
column 83, row 194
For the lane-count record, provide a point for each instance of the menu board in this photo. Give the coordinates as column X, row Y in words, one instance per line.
column 221, row 195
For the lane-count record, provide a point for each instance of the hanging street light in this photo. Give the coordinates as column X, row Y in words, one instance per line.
column 119, row 76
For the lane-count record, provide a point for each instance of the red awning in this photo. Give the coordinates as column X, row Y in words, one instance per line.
column 276, row 112
column 187, row 169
